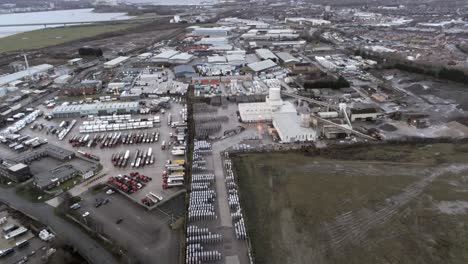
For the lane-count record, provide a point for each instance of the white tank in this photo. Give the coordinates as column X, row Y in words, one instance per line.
column 275, row 94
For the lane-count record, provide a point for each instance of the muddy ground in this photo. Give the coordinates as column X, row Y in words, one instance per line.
column 367, row 205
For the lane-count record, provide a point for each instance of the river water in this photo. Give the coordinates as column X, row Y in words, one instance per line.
column 76, row 15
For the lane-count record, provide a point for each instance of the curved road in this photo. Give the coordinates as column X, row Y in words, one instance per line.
column 87, row 247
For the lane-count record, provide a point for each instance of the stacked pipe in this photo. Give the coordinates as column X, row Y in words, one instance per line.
column 199, row 205
column 234, row 201
column 207, row 177
column 201, row 208
column 201, row 186
column 195, row 237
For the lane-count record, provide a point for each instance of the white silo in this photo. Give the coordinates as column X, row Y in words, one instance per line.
column 274, row 94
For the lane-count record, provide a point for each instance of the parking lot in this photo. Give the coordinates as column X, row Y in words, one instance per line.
column 154, row 170
column 145, row 234
column 33, row 249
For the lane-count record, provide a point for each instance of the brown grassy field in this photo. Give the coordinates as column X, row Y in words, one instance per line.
column 373, row 204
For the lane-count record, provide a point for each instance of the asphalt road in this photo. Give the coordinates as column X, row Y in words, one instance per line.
column 87, row 247
column 234, row 250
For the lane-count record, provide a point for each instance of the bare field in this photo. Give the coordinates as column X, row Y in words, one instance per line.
column 373, row 204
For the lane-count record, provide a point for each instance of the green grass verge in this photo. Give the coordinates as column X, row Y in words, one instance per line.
column 68, row 184
column 53, row 36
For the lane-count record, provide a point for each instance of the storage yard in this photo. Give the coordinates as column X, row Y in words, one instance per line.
column 348, row 205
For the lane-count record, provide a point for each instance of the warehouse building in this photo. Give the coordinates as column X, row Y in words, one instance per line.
column 236, row 59
column 115, row 62
column 51, row 178
column 287, row 58
column 184, row 71
column 95, row 109
column 181, row 58
column 164, row 56
column 75, row 61
column 145, row 56
column 261, row 65
column 211, row 32
column 217, row 59
column 266, row 54
column 48, row 150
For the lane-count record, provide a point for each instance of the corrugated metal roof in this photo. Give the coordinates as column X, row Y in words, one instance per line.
column 183, row 69
column 22, row 74
column 287, row 57
column 96, row 107
column 262, row 65
column 116, row 61
column 166, row 54
column 182, row 56
column 265, row 54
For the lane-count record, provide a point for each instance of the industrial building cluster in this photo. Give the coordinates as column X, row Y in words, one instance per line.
column 157, row 123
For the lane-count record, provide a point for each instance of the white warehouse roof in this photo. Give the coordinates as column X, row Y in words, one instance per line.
column 236, row 58
column 261, row 65
column 287, row 57
column 182, row 57
column 22, row 74
column 116, row 61
column 217, row 59
column 94, row 107
column 213, row 41
column 166, row 54
column 290, row 130
column 265, row 54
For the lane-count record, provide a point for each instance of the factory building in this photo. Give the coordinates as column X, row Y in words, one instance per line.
column 291, row 125
column 95, row 109
column 364, row 112
column 289, row 128
column 16, row 172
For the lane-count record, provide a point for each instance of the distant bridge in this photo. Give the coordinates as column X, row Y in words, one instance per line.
column 111, row 22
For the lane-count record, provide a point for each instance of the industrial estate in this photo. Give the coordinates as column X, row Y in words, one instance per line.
column 239, row 132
